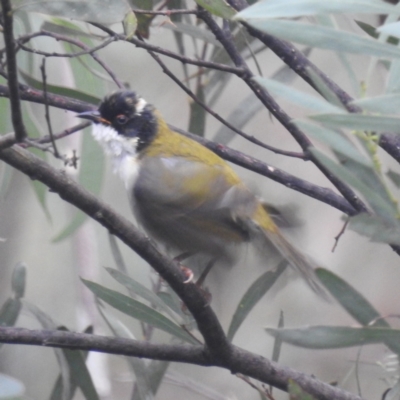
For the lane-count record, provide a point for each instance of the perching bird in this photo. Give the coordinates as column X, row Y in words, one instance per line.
column 183, row 194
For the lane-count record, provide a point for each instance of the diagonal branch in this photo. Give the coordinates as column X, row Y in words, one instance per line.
column 226, row 40
column 75, row 194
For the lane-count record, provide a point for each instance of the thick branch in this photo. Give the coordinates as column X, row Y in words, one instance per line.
column 240, row 361
column 71, row 192
column 16, row 113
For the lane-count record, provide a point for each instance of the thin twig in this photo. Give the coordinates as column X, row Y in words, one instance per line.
column 46, row 108
column 64, row 133
column 86, row 50
column 339, row 235
column 185, row 60
column 251, row 139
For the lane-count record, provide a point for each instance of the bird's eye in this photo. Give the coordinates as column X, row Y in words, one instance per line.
column 121, row 119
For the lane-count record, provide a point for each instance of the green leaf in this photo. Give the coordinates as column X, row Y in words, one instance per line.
column 142, row 291
column 220, row 8
column 297, row 97
column 297, row 393
column 47, row 323
column 18, row 280
column 394, row 177
column 9, row 312
column 130, row 24
column 61, row 90
column 335, row 140
column 298, row 8
column 381, row 230
column 360, row 122
column 385, row 104
column 57, row 391
column 79, row 373
column 325, row 38
column 351, row 300
column 11, row 388
column 57, row 25
column 325, row 91
column 330, row 337
column 278, row 342
column 138, row 310
column 101, row 11
column 379, row 204
column 143, row 388
column 252, row 296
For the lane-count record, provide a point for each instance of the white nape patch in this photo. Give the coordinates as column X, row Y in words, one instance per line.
column 122, row 151
column 140, row 105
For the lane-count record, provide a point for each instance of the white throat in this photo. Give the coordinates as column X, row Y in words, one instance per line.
column 122, row 151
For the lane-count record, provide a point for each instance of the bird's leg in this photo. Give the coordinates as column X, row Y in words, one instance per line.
column 204, row 274
column 187, row 271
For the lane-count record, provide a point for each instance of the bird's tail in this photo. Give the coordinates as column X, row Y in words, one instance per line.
column 263, row 227
column 297, row 260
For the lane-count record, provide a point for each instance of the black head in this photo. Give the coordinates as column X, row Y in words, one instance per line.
column 128, row 114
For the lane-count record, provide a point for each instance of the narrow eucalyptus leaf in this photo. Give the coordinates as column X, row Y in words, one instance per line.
column 324, row 38
column 9, row 312
column 349, row 298
column 278, row 342
column 138, row 310
column 385, row 104
column 142, row 291
column 61, row 90
column 297, row 97
column 101, row 11
column 335, row 140
column 138, row 366
column 333, row 337
column 298, row 8
column 18, row 280
column 220, row 8
column 379, row 204
column 378, row 229
column 252, row 296
column 365, row 122
column 80, row 374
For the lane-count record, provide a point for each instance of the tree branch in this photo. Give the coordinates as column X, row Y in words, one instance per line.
column 16, row 113
column 317, row 192
column 240, row 361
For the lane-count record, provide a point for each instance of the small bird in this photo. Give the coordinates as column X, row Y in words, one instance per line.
column 182, row 193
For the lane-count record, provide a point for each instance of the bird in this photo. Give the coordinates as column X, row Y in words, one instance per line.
column 183, row 194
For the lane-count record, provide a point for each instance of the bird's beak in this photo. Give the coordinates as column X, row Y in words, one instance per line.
column 93, row 116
